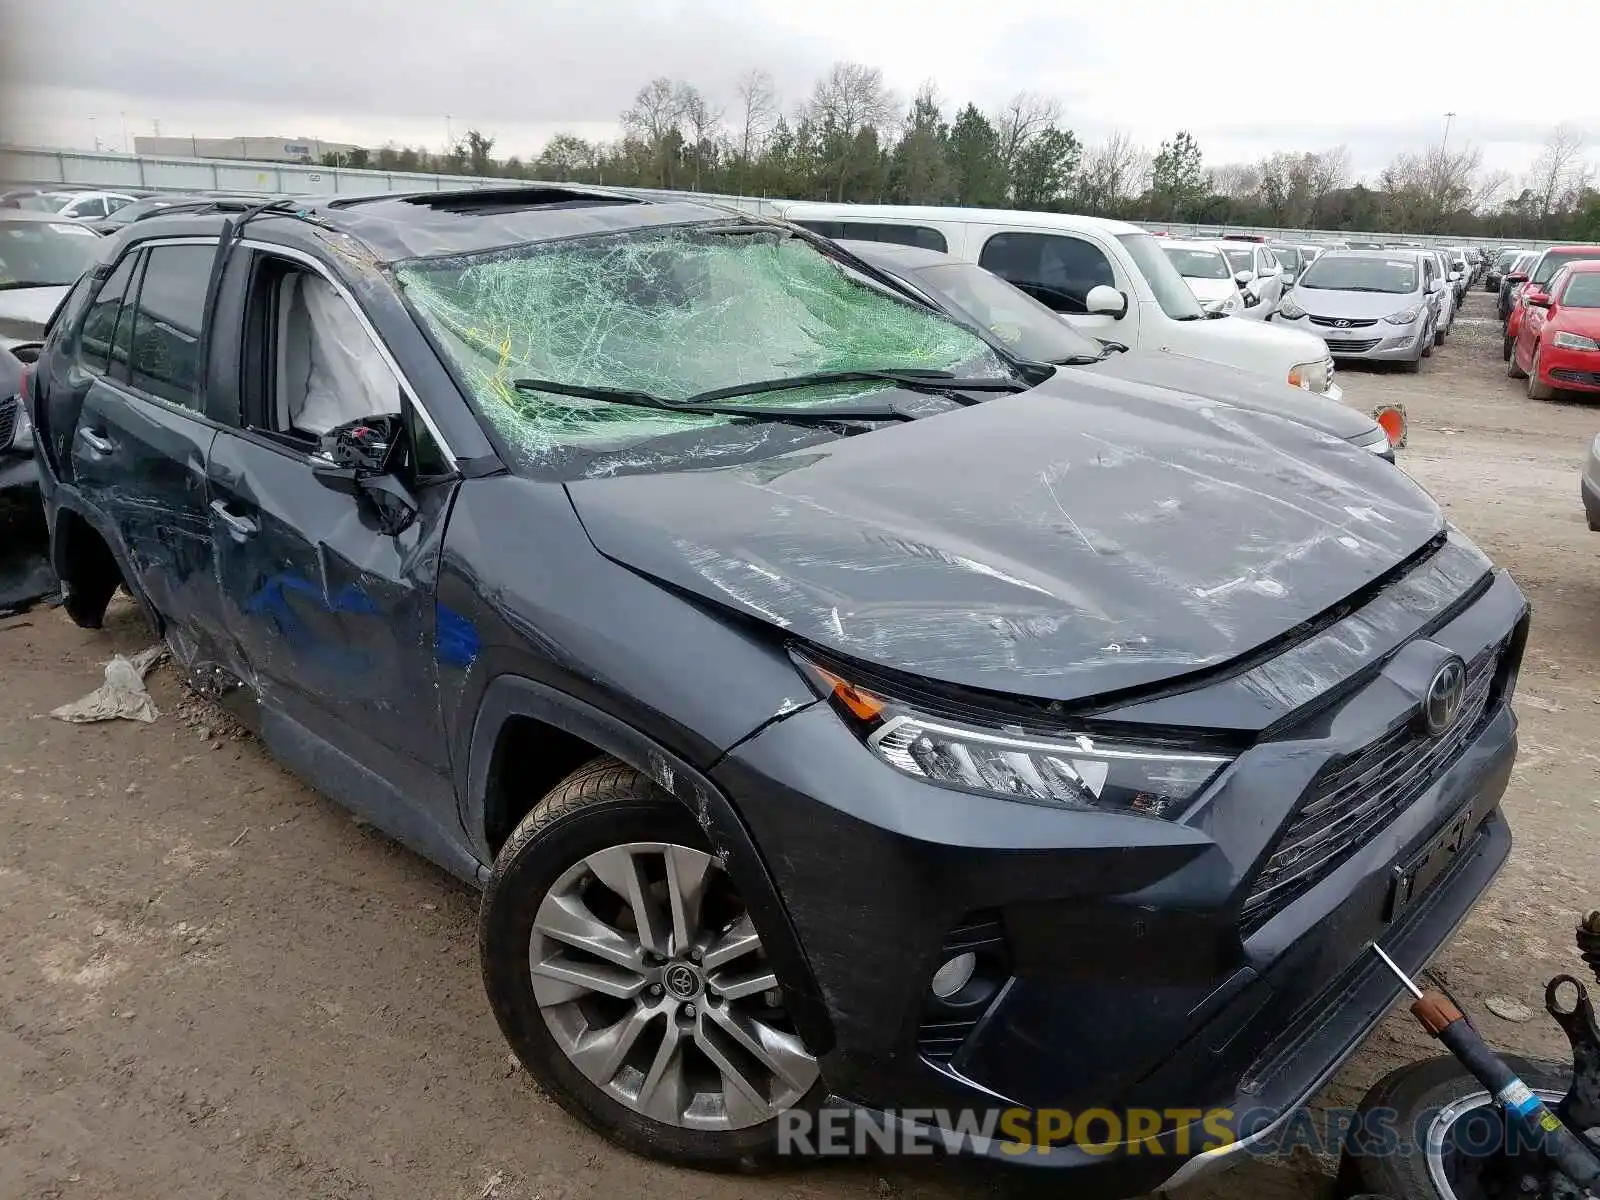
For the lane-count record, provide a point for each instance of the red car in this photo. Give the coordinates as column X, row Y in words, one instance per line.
column 1544, row 270
column 1558, row 341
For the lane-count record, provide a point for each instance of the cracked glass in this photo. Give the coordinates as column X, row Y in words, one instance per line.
column 671, row 312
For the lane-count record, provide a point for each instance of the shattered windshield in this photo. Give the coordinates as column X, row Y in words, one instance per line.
column 671, row 312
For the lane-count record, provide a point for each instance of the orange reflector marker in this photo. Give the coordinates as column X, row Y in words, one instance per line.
column 1391, row 418
column 863, row 704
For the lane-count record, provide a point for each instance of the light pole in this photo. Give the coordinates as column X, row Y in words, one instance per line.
column 1448, row 117
column 126, row 146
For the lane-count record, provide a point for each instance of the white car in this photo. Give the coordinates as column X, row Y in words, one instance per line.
column 1107, row 278
column 1212, row 279
column 76, row 206
column 1259, row 263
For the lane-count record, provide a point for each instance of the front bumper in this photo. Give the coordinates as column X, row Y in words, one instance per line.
column 1378, row 342
column 1569, row 370
column 1129, row 984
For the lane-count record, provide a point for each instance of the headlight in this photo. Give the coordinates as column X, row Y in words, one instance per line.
column 1228, row 304
column 1404, row 317
column 1311, row 376
column 1058, row 770
column 1289, row 310
column 1574, row 341
column 1376, row 441
column 21, row 428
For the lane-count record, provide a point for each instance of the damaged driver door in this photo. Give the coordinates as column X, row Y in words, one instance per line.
column 328, row 591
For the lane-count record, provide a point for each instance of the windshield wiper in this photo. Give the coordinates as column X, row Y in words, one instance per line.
column 9, row 284
column 912, row 379
column 641, row 399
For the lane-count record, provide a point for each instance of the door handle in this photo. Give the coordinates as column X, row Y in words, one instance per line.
column 239, row 528
column 98, row 443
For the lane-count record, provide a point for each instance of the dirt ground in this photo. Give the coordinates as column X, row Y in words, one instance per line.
column 217, row 984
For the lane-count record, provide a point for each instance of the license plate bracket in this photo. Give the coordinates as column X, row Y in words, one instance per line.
column 1410, row 880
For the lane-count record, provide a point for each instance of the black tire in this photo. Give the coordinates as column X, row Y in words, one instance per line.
column 1513, row 371
column 1505, row 348
column 1413, row 366
column 1536, row 389
column 1439, row 336
column 602, row 804
column 1411, row 1094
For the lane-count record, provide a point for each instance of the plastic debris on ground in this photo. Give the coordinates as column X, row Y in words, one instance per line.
column 122, row 695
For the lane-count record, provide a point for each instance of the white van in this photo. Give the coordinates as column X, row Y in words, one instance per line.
column 1107, row 278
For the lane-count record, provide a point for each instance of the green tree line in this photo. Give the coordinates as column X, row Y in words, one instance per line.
column 852, row 139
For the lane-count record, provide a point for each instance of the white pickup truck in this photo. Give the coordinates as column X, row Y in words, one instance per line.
column 1108, row 278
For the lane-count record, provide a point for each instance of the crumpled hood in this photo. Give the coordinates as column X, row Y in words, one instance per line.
column 1212, row 381
column 1070, row 541
column 24, row 311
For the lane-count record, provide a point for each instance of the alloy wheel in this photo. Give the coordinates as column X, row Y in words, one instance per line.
column 650, row 976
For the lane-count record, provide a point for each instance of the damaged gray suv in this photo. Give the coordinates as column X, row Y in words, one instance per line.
column 834, row 709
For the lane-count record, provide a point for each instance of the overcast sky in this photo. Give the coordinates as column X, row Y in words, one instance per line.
column 1245, row 76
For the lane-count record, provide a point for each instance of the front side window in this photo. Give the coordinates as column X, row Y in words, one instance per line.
column 165, row 349
column 670, row 313
column 1349, row 273
column 326, row 370
column 98, row 337
column 88, row 209
column 1241, row 260
column 1056, row 269
column 1027, row 327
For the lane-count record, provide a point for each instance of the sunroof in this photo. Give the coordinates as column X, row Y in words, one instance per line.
column 492, row 201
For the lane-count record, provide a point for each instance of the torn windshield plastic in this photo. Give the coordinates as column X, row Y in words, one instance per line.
column 673, row 313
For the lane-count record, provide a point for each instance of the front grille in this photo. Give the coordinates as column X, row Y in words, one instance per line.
column 1344, row 322
column 1350, row 346
column 1567, row 375
column 1362, row 794
column 8, row 421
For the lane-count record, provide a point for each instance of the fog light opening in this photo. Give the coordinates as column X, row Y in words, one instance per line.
column 954, row 975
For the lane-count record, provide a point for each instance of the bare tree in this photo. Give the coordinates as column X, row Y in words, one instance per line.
column 852, row 108
column 701, row 121
column 758, row 110
column 1557, row 168
column 1114, row 170
column 656, row 119
column 1330, row 172
column 1424, row 189
column 1024, row 117
column 1239, row 181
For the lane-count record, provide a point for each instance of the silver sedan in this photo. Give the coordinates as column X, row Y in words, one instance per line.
column 1378, row 305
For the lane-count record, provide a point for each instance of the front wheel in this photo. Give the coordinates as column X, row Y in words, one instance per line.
column 1433, row 1109
column 1537, row 388
column 1513, row 368
column 628, row 976
column 1505, row 347
column 1438, row 336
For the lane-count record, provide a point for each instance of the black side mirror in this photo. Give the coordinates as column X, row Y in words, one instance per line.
column 359, row 458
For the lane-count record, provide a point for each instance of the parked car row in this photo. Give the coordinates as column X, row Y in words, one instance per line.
column 842, row 678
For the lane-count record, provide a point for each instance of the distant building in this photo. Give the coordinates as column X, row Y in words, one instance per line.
column 249, row 149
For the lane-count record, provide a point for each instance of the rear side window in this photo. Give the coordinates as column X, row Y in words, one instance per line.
column 921, row 236
column 1055, row 269
column 165, row 348
column 96, row 339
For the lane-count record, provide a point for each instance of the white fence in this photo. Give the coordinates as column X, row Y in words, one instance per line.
column 22, row 166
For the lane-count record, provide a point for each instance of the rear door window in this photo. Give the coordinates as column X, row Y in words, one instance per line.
column 165, row 348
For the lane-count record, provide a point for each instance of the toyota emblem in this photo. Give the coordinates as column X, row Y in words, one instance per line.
column 682, row 980
column 1443, row 701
